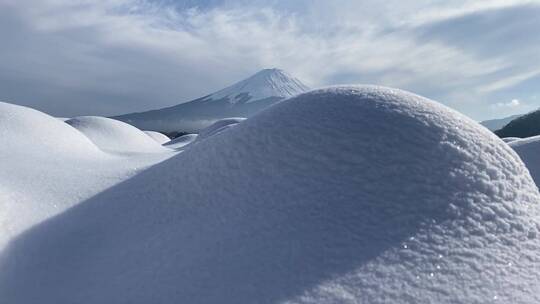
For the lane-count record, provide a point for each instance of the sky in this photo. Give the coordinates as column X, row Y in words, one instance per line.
column 96, row 57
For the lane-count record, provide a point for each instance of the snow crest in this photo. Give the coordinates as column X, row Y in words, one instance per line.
column 160, row 138
column 26, row 130
column 112, row 135
column 181, row 141
column 219, row 126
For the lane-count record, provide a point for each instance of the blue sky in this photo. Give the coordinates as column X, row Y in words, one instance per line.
column 82, row 57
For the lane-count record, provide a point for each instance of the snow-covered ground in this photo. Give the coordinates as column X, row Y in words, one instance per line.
column 341, row 195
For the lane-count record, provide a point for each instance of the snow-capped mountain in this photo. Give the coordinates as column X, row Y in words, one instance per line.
column 264, row 84
column 242, row 99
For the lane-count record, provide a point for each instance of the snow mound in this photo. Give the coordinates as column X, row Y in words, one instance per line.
column 396, row 199
column 529, row 151
column 181, row 142
column 24, row 130
column 219, row 126
column 114, row 136
column 160, row 138
column 33, row 148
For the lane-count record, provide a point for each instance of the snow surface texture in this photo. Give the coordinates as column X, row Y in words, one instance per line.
column 243, row 99
column 160, row 138
column 114, row 136
column 529, row 151
column 342, row 195
column 46, row 166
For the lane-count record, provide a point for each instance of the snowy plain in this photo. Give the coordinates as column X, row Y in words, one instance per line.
column 356, row 194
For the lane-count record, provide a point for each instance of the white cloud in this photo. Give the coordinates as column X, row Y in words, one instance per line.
column 117, row 56
column 508, row 81
column 510, row 104
column 451, row 9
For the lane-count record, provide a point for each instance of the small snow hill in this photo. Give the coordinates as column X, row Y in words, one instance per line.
column 41, row 159
column 396, row 199
column 242, row 99
column 114, row 136
column 25, row 130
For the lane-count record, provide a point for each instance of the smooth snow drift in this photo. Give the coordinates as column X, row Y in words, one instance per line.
column 160, row 138
column 510, row 139
column 114, row 136
column 243, row 99
column 26, row 130
column 181, row 142
column 219, row 126
column 342, row 195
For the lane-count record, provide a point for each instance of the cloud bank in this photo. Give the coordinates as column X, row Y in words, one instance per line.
column 110, row 57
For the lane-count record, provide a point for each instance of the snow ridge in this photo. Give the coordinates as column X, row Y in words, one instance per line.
column 114, row 136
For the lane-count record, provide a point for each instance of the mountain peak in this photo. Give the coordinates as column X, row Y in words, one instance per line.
column 263, row 84
column 270, row 71
column 242, row 99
